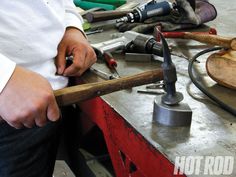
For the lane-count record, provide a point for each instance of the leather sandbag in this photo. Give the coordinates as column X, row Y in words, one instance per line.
column 221, row 67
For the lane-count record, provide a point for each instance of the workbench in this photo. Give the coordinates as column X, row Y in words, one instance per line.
column 140, row 147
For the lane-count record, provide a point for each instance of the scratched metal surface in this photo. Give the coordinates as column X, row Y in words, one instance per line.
column 213, row 130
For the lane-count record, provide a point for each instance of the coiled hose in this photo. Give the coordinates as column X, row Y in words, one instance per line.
column 200, row 87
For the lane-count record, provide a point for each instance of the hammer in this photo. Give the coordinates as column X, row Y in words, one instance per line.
column 209, row 37
column 78, row 93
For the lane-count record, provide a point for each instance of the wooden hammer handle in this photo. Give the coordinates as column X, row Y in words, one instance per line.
column 78, row 93
column 105, row 15
column 212, row 39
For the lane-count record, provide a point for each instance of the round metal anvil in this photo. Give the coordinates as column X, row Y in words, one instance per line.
column 175, row 115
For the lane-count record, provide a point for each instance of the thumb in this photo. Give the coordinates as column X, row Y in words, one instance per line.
column 53, row 113
column 60, row 61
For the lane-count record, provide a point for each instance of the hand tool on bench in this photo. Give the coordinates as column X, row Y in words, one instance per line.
column 184, row 35
column 84, row 12
column 211, row 39
column 78, row 93
column 129, row 40
column 168, row 109
column 105, row 15
column 103, row 74
column 93, row 31
column 111, row 62
column 157, row 88
column 147, row 10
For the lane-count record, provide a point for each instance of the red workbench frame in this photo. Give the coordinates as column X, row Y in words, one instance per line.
column 131, row 154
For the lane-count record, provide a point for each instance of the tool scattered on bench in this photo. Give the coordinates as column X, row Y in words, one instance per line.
column 157, row 88
column 75, row 94
column 94, row 31
column 103, row 74
column 129, row 40
column 105, row 15
column 168, row 109
column 111, row 62
column 211, row 39
column 182, row 34
column 146, row 11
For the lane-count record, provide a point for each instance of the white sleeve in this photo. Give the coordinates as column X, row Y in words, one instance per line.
column 73, row 18
column 6, row 69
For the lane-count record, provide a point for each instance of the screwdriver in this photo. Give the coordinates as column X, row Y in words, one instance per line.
column 111, row 62
column 102, row 74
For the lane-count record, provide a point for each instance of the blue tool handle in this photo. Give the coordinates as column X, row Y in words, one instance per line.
column 155, row 9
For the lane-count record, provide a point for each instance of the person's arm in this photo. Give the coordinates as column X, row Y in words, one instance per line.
column 74, row 43
column 26, row 98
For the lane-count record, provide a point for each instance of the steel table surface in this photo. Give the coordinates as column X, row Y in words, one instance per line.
column 213, row 130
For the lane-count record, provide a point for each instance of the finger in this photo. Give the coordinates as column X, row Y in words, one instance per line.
column 60, row 60
column 27, row 119
column 1, row 119
column 77, row 65
column 12, row 122
column 41, row 119
column 53, row 113
column 81, row 71
column 90, row 59
column 16, row 125
column 77, row 71
column 29, row 123
column 72, row 70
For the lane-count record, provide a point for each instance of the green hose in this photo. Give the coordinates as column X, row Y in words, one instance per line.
column 116, row 3
column 89, row 5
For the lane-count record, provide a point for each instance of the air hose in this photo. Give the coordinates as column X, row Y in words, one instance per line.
column 202, row 88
